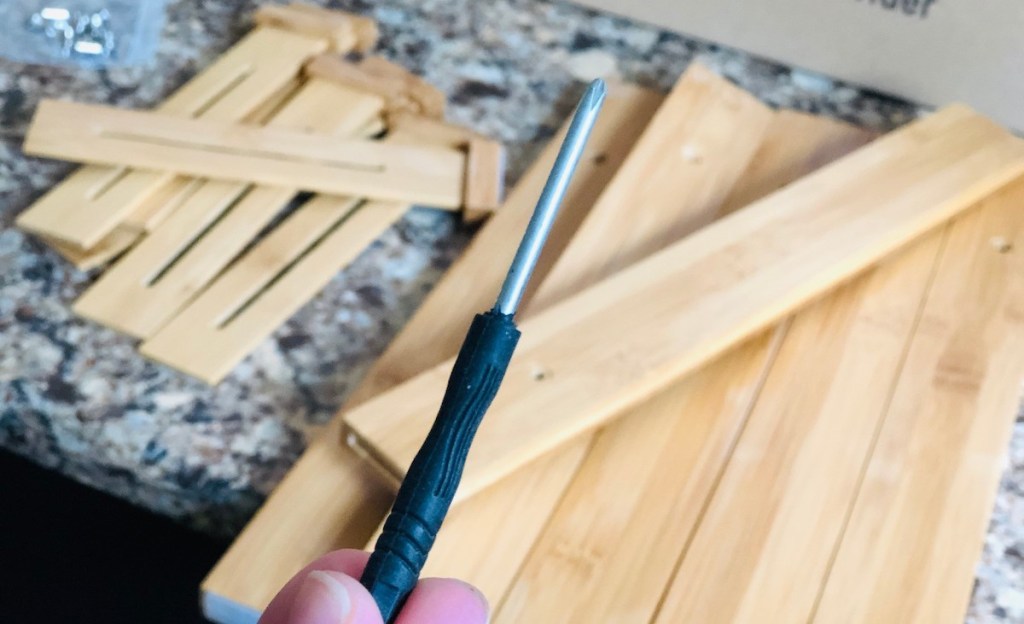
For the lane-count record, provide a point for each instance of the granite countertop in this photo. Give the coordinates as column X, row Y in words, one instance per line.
column 76, row 397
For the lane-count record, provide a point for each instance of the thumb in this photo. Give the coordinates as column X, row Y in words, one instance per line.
column 329, row 597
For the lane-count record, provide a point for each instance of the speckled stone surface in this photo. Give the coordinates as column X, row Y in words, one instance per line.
column 77, row 398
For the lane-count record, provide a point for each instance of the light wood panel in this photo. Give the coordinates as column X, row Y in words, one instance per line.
column 783, row 498
column 429, row 175
column 918, row 524
column 343, row 31
column 698, row 110
column 474, row 279
column 159, row 205
column 607, row 552
column 403, row 91
column 162, row 274
column 94, row 200
column 683, row 306
column 331, row 498
column 687, row 161
column 267, row 285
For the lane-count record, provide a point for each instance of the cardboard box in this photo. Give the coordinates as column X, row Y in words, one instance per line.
column 931, row 51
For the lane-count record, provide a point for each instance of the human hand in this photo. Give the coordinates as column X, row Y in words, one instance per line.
column 327, row 592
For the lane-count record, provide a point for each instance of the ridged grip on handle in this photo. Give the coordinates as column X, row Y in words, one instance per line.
column 430, row 483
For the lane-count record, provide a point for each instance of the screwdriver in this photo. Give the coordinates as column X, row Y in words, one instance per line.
column 430, row 483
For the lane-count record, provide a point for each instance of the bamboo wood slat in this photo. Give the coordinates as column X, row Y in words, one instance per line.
column 694, row 424
column 428, row 175
column 94, row 200
column 918, row 523
column 331, row 498
column 742, row 274
column 162, row 274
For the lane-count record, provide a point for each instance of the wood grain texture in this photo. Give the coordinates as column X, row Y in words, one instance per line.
column 608, row 550
column 331, row 498
column 94, row 200
column 160, row 204
column 527, row 498
column 485, row 178
column 428, row 175
column 612, row 543
column 782, row 500
column 267, row 285
column 436, row 330
column 741, row 274
column 343, row 31
column 686, row 162
column 918, row 523
column 213, row 224
column 403, row 91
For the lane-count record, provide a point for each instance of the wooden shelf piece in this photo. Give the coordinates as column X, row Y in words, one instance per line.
column 213, row 224
column 740, row 274
column 94, row 200
column 331, row 498
column 428, row 175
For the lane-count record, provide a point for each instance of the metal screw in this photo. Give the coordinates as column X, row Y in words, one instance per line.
column 90, row 36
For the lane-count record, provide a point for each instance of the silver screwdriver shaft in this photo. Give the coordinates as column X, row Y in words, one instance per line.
column 551, row 198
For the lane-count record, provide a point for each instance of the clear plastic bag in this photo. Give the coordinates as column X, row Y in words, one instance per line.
column 89, row 33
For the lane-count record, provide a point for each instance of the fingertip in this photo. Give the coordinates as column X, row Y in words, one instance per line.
column 445, row 601
column 348, row 562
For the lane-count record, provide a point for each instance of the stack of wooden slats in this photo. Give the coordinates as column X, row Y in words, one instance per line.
column 212, row 264
column 754, row 384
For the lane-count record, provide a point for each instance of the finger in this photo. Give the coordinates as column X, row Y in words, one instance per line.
column 444, row 601
column 328, row 597
column 349, row 562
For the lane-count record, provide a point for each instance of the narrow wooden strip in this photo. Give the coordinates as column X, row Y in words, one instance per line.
column 784, row 495
column 331, row 498
column 269, row 284
column 688, row 159
column 696, row 111
column 794, row 145
column 435, row 332
column 175, row 262
column 431, row 130
column 740, row 274
column 366, row 29
column 112, row 246
column 918, row 524
column 427, row 99
column 424, row 174
column 157, row 206
column 645, row 478
column 94, row 200
column 343, row 31
column 612, row 544
column 485, row 179
column 404, row 92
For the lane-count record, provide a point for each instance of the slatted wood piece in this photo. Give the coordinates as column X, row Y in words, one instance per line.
column 267, row 285
column 161, row 275
column 918, row 524
column 344, row 31
column 702, row 109
column 437, row 329
column 608, row 550
column 782, row 500
column 684, row 166
column 331, row 498
column 276, row 157
column 160, row 204
column 94, row 200
column 401, row 89
column 741, row 274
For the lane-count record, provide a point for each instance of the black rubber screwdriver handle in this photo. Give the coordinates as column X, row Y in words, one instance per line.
column 430, row 483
